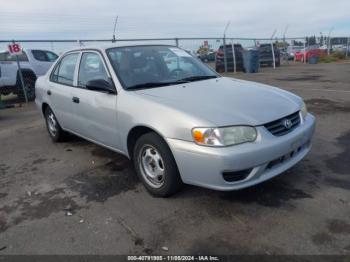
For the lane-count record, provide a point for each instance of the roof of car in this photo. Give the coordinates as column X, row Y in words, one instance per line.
column 104, row 47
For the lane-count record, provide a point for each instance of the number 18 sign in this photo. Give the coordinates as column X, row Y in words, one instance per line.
column 15, row 49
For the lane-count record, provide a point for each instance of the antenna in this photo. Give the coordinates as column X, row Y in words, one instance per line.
column 115, row 27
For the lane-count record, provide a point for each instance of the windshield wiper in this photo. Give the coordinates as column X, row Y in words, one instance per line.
column 197, row 78
column 156, row 84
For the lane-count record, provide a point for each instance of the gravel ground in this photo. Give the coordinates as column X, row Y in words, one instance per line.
column 79, row 198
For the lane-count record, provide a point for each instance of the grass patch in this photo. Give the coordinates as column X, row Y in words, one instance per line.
column 333, row 57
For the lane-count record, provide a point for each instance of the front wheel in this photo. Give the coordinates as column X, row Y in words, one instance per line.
column 156, row 166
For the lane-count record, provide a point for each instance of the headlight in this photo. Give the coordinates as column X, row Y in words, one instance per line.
column 303, row 110
column 224, row 136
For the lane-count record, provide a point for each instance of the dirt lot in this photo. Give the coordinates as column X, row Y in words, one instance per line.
column 304, row 211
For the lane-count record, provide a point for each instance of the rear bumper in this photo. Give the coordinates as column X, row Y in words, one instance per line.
column 267, row 157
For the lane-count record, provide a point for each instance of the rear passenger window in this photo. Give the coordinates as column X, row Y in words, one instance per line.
column 64, row 72
column 44, row 56
column 91, row 68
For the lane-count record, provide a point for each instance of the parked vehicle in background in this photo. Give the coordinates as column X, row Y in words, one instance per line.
column 178, row 125
column 33, row 63
column 309, row 52
column 220, row 61
column 207, row 57
column 291, row 50
column 339, row 48
column 266, row 56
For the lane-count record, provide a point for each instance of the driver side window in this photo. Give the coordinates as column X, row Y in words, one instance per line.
column 91, row 68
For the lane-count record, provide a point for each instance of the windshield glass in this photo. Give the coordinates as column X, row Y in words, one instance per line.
column 153, row 66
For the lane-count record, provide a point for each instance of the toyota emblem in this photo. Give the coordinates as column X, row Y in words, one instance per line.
column 287, row 123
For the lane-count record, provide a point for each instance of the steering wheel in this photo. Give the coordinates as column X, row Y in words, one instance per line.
column 176, row 73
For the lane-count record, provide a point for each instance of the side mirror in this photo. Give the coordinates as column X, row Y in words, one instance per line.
column 101, row 85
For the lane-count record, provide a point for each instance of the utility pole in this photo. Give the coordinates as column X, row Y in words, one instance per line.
column 224, row 43
column 115, row 27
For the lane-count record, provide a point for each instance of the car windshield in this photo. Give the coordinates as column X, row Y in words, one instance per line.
column 154, row 66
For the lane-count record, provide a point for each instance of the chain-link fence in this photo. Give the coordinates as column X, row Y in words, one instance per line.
column 223, row 54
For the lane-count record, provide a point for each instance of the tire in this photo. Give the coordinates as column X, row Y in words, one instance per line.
column 29, row 84
column 152, row 157
column 53, row 127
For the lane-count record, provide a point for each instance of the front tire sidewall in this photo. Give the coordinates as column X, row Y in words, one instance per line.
column 172, row 181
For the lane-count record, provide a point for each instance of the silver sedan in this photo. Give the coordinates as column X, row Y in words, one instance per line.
column 174, row 117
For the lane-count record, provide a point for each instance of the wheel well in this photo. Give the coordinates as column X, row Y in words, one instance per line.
column 43, row 107
column 133, row 135
column 27, row 73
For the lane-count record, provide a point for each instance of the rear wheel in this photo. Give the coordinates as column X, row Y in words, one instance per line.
column 53, row 127
column 156, row 166
column 29, row 85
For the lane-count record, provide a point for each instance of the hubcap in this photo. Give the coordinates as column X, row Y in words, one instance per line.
column 151, row 166
column 52, row 124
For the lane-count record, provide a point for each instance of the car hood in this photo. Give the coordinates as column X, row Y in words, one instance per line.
column 227, row 101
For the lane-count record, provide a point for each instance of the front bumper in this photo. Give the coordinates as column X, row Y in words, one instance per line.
column 204, row 166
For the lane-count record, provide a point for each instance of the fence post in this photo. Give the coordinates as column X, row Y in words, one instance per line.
column 233, row 56
column 305, row 51
column 273, row 55
column 347, row 47
column 329, row 46
column 225, row 54
column 177, row 42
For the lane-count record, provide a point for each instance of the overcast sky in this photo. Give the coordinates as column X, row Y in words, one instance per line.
column 79, row 19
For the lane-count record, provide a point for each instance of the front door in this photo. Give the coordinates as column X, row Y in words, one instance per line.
column 95, row 111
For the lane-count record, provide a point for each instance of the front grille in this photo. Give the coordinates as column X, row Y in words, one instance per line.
column 278, row 127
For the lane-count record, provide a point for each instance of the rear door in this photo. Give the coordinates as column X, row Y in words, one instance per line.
column 95, row 111
column 60, row 89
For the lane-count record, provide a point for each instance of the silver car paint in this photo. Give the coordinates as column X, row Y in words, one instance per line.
column 172, row 111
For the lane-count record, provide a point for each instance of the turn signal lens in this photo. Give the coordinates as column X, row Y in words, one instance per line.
column 303, row 110
column 198, row 136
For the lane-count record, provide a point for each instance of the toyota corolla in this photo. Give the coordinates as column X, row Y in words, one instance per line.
column 174, row 117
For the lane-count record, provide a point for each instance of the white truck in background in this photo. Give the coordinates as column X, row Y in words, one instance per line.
column 33, row 63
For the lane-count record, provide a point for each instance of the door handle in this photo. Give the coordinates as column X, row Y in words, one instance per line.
column 75, row 99
column 48, row 92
